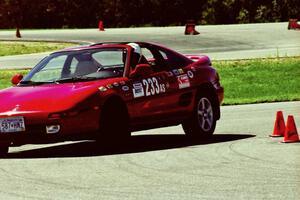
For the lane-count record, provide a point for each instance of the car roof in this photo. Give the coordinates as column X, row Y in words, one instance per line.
column 105, row 45
column 117, row 45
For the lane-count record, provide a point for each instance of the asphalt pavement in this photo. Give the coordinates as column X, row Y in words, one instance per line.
column 222, row 42
column 240, row 162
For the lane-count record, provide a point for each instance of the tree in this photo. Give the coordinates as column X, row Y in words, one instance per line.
column 121, row 13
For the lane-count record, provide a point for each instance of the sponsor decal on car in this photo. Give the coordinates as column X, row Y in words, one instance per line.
column 102, row 89
column 110, row 86
column 176, row 72
column 125, row 88
column 122, row 83
column 180, row 71
column 190, row 74
column 167, row 85
column 138, row 90
column 170, row 74
column 116, row 84
column 148, row 87
column 183, row 81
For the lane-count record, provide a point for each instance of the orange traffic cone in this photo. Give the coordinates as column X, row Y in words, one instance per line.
column 290, row 133
column 190, row 29
column 293, row 24
column 18, row 34
column 101, row 26
column 279, row 126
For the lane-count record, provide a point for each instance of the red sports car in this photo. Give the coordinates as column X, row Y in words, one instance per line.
column 105, row 91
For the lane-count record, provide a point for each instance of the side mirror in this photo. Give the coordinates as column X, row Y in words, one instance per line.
column 15, row 80
column 141, row 70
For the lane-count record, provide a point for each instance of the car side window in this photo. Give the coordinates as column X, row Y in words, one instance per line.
column 173, row 60
column 164, row 55
column 73, row 65
column 155, row 59
column 148, row 55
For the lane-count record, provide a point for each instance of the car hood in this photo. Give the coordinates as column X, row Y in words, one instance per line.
column 47, row 98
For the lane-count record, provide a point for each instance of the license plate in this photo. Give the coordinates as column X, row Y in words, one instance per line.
column 12, row 124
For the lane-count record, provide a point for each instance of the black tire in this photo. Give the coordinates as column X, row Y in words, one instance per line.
column 202, row 122
column 4, row 151
column 114, row 123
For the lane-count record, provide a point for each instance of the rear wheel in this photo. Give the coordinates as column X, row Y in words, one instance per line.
column 114, row 123
column 202, row 122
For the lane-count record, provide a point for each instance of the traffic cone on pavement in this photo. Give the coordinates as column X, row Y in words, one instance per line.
column 293, row 24
column 18, row 34
column 101, row 26
column 190, row 29
column 290, row 133
column 279, row 126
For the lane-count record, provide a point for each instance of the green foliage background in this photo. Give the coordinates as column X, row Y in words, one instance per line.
column 130, row 13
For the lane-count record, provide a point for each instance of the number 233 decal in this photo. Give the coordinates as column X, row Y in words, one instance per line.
column 148, row 87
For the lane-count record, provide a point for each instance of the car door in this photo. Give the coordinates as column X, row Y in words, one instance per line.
column 154, row 96
column 149, row 97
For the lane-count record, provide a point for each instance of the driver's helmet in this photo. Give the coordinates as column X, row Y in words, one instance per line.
column 137, row 53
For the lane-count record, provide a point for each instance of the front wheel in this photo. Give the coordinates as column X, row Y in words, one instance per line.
column 4, row 150
column 114, row 124
column 202, row 122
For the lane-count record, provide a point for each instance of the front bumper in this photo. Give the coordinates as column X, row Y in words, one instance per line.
column 83, row 125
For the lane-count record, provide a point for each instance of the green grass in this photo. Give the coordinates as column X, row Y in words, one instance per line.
column 8, row 48
column 250, row 81
column 260, row 80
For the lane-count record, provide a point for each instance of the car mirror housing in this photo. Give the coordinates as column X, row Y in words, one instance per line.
column 15, row 80
column 141, row 70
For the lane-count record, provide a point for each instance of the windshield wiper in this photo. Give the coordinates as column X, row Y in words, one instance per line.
column 74, row 79
column 29, row 82
column 62, row 80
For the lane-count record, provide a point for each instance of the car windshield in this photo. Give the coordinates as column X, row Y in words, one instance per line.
column 79, row 65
